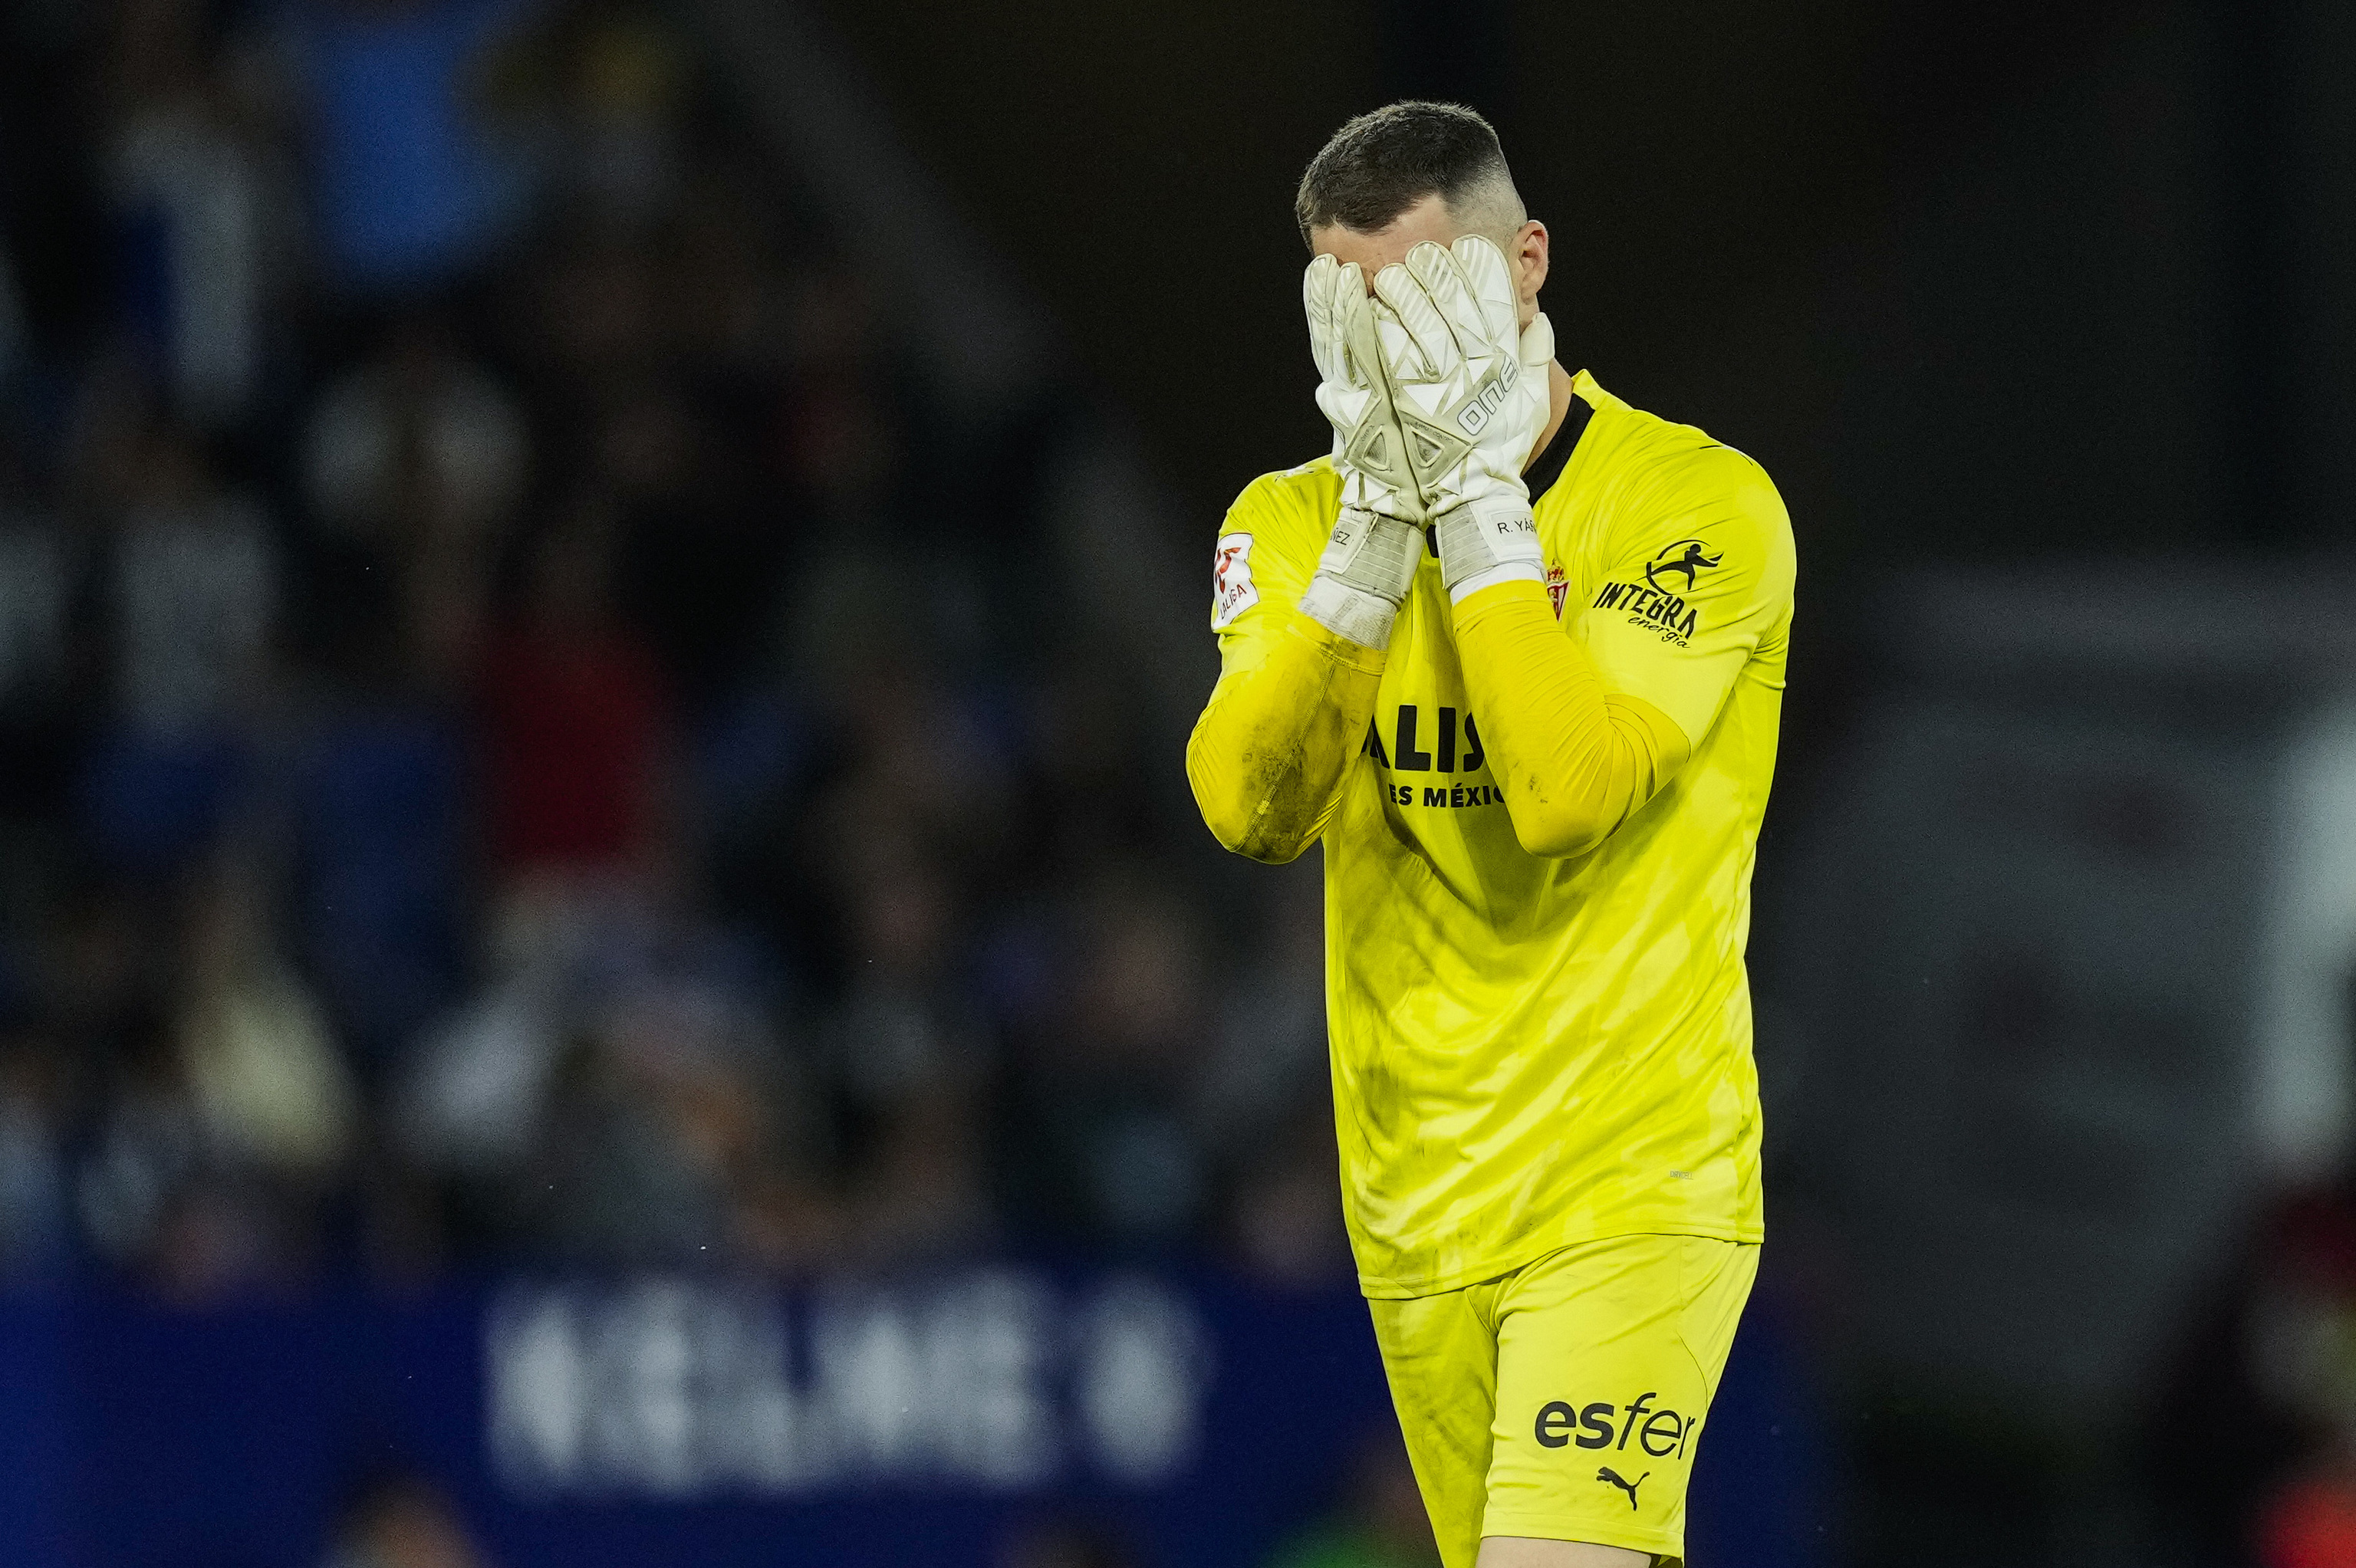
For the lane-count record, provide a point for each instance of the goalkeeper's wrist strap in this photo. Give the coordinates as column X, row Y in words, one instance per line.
column 1368, row 565
column 1364, row 618
column 1483, row 543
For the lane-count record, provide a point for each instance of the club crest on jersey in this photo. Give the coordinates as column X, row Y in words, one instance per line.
column 1557, row 587
column 1232, row 589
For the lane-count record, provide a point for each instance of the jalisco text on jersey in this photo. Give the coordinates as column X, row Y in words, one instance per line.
column 1457, row 796
column 1408, row 754
column 1411, row 740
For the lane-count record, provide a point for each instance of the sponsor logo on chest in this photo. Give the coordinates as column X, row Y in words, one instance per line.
column 1431, row 741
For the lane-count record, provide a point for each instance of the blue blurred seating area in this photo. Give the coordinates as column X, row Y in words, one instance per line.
column 517, row 749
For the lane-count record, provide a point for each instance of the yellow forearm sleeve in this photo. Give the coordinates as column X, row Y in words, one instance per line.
column 1573, row 759
column 1267, row 756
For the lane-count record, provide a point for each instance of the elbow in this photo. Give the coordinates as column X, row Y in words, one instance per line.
column 1250, row 823
column 1268, row 848
column 1572, row 814
column 1557, row 831
column 1250, row 828
column 1254, row 834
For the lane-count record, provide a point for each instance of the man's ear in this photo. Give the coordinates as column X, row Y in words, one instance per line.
column 1529, row 257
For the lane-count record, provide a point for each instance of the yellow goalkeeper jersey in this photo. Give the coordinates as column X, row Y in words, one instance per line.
column 1529, row 1052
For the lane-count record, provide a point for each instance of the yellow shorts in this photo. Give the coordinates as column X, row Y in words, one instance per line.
column 1563, row 1401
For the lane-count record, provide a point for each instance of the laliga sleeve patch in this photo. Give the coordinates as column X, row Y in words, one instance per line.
column 1232, row 589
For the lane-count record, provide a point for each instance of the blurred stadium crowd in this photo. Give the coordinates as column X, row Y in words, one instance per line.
column 526, row 739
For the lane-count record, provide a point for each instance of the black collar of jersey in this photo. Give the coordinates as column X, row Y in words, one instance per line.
column 1540, row 475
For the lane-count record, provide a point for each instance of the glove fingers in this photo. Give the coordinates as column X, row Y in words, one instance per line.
column 1398, row 345
column 1445, row 281
column 1350, row 305
column 1365, row 338
column 1425, row 329
column 1344, row 304
column 1316, row 305
column 1490, row 277
column 1327, row 291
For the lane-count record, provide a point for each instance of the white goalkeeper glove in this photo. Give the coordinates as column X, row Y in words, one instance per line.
column 1377, row 540
column 1470, row 390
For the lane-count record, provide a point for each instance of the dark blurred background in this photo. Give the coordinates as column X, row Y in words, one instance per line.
column 604, row 954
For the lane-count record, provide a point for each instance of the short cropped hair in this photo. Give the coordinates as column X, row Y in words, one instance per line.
column 1383, row 163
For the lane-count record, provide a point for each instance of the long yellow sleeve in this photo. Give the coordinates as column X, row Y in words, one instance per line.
column 1266, row 756
column 1573, row 759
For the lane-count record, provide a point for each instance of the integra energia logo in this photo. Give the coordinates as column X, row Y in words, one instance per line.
column 1660, row 605
column 1687, row 556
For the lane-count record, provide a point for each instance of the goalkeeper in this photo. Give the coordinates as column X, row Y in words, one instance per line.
column 1514, row 654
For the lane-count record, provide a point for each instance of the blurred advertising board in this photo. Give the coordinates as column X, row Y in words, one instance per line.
column 705, row 1421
